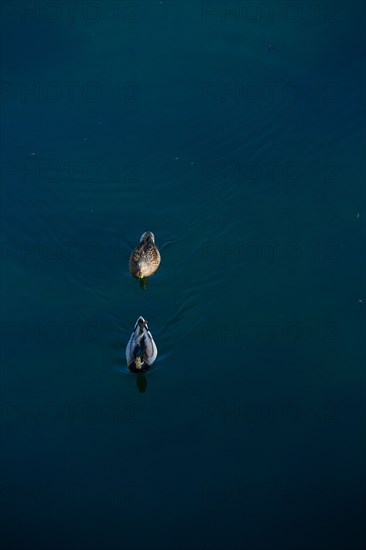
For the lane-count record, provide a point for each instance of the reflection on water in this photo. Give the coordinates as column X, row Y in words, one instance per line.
column 143, row 283
column 141, row 382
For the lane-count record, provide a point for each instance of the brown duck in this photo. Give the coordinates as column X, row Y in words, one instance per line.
column 145, row 258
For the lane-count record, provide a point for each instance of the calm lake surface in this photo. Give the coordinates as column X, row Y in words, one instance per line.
column 235, row 132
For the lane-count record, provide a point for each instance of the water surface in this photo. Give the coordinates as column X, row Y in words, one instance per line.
column 237, row 138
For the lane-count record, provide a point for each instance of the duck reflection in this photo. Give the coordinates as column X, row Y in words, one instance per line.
column 143, row 283
column 141, row 382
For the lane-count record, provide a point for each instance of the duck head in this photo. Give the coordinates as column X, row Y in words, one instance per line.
column 138, row 355
column 143, row 269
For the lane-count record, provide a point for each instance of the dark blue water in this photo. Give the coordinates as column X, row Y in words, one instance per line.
column 235, row 132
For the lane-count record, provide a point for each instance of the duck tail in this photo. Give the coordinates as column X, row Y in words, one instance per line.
column 148, row 236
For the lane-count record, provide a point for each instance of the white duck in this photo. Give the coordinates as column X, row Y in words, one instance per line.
column 141, row 350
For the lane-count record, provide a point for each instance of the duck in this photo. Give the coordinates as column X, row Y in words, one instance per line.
column 141, row 350
column 145, row 258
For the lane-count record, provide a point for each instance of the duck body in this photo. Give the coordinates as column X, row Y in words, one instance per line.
column 141, row 350
column 145, row 258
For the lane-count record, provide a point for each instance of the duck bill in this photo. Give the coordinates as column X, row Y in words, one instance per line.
column 138, row 363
